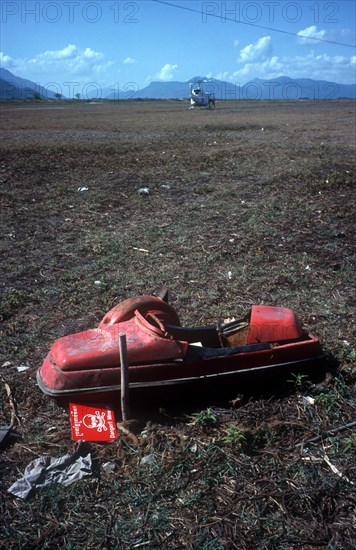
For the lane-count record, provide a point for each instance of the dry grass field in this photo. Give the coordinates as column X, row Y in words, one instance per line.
column 262, row 191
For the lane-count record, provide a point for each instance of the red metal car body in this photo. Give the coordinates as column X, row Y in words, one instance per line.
column 161, row 352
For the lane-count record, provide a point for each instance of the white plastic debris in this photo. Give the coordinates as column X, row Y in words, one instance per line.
column 7, row 364
column 46, row 470
column 97, row 283
column 143, row 191
column 307, row 400
column 148, row 460
column 80, row 189
column 229, row 275
column 22, row 368
column 109, row 467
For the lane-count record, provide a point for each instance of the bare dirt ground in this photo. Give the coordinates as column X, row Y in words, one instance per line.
column 262, row 191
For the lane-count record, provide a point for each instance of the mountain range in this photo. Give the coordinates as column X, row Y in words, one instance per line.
column 282, row 88
column 14, row 87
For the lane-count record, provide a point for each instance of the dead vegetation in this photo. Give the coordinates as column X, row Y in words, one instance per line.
column 250, row 203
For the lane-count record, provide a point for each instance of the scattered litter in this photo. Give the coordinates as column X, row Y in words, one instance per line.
column 83, row 189
column 307, row 268
column 109, row 467
column 229, row 275
column 148, row 460
column 140, row 249
column 143, row 191
column 333, row 468
column 22, row 368
column 165, row 186
column 315, row 459
column 307, row 400
column 6, row 364
column 51, row 429
column 46, row 470
column 97, row 283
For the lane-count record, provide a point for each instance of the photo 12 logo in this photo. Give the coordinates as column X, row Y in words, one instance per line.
column 69, row 12
column 89, row 91
column 270, row 11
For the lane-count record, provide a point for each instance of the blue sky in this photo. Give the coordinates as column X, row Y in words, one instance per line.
column 77, row 44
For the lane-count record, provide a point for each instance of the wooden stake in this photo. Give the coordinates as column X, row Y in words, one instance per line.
column 125, row 403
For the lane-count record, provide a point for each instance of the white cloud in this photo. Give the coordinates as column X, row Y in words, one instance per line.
column 269, row 68
column 69, row 58
column 68, row 63
column 307, row 35
column 257, row 60
column 5, row 61
column 259, row 51
column 222, row 75
column 69, row 52
column 167, row 72
column 91, row 54
column 337, row 68
column 129, row 61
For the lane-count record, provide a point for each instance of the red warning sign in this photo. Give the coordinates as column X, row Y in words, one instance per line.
column 92, row 423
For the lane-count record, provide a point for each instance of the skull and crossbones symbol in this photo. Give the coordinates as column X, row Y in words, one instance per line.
column 96, row 420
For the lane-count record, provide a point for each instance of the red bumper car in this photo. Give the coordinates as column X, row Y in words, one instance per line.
column 161, row 352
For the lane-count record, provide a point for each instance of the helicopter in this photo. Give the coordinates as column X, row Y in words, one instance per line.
column 199, row 97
